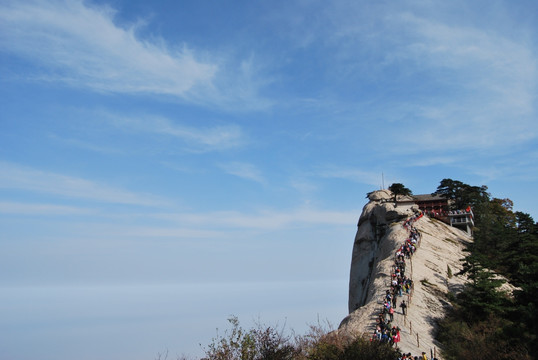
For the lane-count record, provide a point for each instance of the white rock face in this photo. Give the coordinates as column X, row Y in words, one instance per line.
column 374, row 226
column 380, row 233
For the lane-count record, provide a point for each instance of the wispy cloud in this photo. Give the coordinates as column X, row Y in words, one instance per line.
column 264, row 219
column 440, row 80
column 522, row 167
column 199, row 139
column 151, row 232
column 85, row 46
column 243, row 170
column 431, row 160
column 81, row 45
column 351, row 174
column 85, row 145
column 41, row 209
column 13, row 176
column 303, row 185
column 181, row 167
column 487, row 79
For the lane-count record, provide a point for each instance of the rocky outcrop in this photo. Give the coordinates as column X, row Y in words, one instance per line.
column 380, row 233
column 376, row 239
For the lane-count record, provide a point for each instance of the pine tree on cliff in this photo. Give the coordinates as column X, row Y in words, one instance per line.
column 399, row 189
column 462, row 195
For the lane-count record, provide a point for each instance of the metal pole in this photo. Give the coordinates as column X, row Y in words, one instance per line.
column 383, row 180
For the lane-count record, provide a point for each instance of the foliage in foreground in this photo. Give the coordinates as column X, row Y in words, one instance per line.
column 268, row 343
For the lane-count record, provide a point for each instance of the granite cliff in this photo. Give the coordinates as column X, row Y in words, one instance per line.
column 438, row 255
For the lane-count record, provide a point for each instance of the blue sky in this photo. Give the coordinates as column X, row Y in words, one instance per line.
column 166, row 164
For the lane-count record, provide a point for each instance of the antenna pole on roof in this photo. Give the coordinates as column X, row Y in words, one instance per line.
column 383, row 180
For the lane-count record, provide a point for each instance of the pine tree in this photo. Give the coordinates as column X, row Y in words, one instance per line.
column 399, row 189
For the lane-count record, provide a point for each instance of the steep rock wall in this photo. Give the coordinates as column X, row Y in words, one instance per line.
column 380, row 233
column 375, row 240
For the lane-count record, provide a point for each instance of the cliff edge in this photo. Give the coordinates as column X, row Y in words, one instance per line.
column 438, row 255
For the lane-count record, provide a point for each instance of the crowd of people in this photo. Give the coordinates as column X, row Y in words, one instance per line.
column 408, row 356
column 445, row 213
column 401, row 285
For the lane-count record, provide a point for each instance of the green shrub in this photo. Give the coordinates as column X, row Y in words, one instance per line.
column 266, row 343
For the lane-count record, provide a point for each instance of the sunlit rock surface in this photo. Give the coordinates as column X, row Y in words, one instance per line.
column 380, row 233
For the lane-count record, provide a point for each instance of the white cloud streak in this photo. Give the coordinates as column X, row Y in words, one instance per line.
column 445, row 81
column 243, row 170
column 351, row 174
column 266, row 219
column 14, row 176
column 82, row 46
column 201, row 139
column 85, row 145
column 487, row 82
column 85, row 45
column 41, row 209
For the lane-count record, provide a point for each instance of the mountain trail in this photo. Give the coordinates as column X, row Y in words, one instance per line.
column 431, row 268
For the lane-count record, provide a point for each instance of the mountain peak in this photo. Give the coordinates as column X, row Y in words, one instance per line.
column 383, row 228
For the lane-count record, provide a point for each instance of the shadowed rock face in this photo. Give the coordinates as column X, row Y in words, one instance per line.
column 379, row 235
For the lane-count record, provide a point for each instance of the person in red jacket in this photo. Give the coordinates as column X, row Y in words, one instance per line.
column 396, row 336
